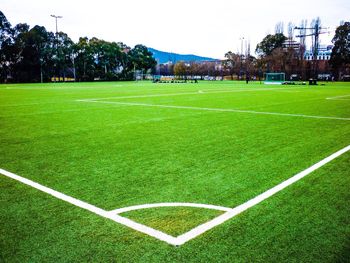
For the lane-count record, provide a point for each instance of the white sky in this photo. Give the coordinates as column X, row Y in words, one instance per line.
column 202, row 27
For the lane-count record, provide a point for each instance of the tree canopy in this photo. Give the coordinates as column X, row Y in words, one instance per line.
column 270, row 43
column 141, row 58
column 340, row 56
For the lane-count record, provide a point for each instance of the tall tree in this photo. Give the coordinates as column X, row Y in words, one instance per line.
column 142, row 58
column 270, row 43
column 124, row 62
column 36, row 53
column 11, row 51
column 180, row 69
column 340, row 57
column 107, row 58
column 6, row 42
column 232, row 63
column 5, row 28
column 64, row 49
column 84, row 60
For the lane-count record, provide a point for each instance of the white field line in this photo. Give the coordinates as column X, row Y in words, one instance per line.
column 192, row 233
column 27, row 104
column 146, row 206
column 290, row 91
column 183, row 93
column 122, row 220
column 140, row 96
column 256, row 200
column 61, row 88
column 219, row 110
column 282, row 103
column 339, row 97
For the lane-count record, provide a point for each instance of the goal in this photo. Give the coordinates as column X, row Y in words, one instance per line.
column 275, row 78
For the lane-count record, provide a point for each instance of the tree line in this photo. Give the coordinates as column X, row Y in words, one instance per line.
column 37, row 55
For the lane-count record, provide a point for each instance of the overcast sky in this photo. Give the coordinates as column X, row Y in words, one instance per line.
column 203, row 27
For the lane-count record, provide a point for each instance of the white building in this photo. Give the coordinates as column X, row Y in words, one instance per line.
column 324, row 53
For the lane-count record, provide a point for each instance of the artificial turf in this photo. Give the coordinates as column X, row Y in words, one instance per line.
column 115, row 155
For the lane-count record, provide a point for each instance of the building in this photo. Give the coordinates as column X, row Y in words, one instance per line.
column 324, row 53
column 291, row 44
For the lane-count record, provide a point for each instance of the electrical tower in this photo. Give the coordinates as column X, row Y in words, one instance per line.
column 316, row 31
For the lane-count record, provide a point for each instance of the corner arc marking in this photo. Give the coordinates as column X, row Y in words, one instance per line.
column 147, row 206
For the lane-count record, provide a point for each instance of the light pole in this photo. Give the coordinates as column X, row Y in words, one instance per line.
column 241, row 57
column 56, row 18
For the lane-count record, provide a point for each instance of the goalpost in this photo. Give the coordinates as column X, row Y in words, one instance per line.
column 138, row 75
column 141, row 75
column 275, row 78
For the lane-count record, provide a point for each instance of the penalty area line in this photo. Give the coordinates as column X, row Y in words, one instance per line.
column 217, row 109
column 204, row 91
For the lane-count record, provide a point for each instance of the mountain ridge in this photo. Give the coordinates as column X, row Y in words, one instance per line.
column 164, row 57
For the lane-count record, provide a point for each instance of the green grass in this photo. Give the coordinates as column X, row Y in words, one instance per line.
column 173, row 220
column 113, row 156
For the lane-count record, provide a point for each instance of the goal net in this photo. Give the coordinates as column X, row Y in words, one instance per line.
column 275, row 78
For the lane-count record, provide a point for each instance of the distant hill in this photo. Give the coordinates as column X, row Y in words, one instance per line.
column 163, row 57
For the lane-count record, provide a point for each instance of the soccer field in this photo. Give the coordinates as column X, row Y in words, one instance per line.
column 207, row 172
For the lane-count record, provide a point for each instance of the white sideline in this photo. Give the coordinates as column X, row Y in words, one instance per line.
column 339, row 97
column 218, row 109
column 180, row 240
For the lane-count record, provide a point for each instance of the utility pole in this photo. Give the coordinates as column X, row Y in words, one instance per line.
column 316, row 31
column 56, row 18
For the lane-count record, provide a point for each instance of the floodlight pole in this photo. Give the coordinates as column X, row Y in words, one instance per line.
column 56, row 18
column 241, row 57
